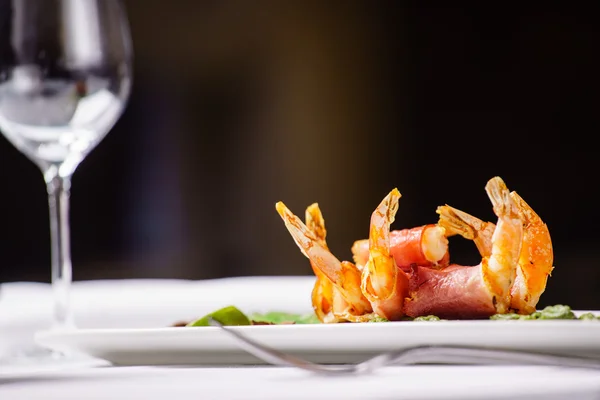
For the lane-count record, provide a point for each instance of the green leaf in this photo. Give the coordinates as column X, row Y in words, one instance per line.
column 278, row 317
column 230, row 316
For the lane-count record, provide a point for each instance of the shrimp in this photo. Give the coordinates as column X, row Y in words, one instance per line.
column 327, row 300
column 425, row 245
column 383, row 283
column 536, row 258
column 322, row 295
column 482, row 290
column 500, row 270
column 347, row 301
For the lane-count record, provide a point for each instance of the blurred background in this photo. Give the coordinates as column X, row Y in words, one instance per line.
column 239, row 104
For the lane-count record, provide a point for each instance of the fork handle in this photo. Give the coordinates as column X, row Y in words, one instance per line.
column 489, row 356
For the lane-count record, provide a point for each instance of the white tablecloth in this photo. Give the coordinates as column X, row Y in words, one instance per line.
column 26, row 307
column 423, row 382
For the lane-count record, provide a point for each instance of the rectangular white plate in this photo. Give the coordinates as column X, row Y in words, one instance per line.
column 326, row 343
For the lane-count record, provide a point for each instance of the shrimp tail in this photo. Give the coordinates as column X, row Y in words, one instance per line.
column 457, row 222
column 316, row 223
column 501, row 199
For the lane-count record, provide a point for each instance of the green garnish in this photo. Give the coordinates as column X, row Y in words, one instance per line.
column 428, row 318
column 378, row 319
column 229, row 316
column 233, row 316
column 558, row 311
column 509, row 316
column 589, row 317
column 279, row 317
column 506, row 316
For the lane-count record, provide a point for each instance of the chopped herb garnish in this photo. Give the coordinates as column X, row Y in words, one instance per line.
column 588, row 316
column 558, row 311
column 507, row 316
column 428, row 318
column 378, row 319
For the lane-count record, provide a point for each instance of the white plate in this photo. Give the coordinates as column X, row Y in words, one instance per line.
column 327, row 343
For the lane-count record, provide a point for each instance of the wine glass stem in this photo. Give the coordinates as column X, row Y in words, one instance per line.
column 58, row 200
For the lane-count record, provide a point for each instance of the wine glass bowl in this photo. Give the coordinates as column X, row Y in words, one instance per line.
column 65, row 78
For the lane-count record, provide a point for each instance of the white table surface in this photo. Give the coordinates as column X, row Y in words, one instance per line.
column 423, row 382
column 25, row 308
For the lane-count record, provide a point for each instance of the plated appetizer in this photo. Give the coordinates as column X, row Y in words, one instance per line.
column 409, row 273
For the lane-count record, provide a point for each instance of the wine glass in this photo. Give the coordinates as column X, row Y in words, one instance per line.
column 65, row 78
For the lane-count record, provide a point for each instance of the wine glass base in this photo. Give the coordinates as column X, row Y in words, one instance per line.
column 36, row 360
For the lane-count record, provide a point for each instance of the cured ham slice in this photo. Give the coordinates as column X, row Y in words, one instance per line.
column 424, row 245
column 456, row 292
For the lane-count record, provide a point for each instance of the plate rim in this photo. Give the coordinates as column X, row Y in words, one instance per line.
column 328, row 343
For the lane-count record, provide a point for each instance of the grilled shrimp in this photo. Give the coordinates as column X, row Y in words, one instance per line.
column 383, row 283
column 500, row 270
column 535, row 260
column 474, row 291
column 347, row 300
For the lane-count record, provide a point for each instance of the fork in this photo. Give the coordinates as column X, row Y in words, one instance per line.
column 426, row 354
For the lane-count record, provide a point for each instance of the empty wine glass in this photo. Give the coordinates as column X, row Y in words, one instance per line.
column 65, row 77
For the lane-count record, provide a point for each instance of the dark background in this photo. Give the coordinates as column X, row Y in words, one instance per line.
column 239, row 104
